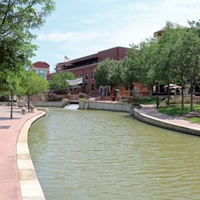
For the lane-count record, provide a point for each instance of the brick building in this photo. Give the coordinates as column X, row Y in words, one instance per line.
column 84, row 67
column 41, row 68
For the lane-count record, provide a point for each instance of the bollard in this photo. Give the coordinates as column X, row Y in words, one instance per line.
column 32, row 108
column 23, row 111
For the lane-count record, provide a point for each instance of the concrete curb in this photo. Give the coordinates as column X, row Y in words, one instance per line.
column 29, row 184
column 167, row 124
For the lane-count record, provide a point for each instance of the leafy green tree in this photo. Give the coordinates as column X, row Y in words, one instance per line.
column 132, row 68
column 179, row 57
column 105, row 73
column 116, row 73
column 179, row 60
column 59, row 81
column 33, row 84
column 148, row 49
column 191, row 59
column 166, row 66
column 17, row 19
column 11, row 86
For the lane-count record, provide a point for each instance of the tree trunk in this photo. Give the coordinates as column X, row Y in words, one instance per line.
column 168, row 94
column 182, row 93
column 131, row 89
column 150, row 91
column 191, row 95
column 182, row 98
column 11, row 108
column 28, row 103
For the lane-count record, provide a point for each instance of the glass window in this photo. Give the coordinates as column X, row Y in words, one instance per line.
column 41, row 73
column 86, row 76
column 92, row 75
column 92, row 87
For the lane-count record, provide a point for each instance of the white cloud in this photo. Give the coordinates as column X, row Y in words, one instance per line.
column 119, row 25
column 70, row 36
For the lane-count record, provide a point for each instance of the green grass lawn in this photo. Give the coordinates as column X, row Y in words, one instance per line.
column 173, row 110
column 195, row 120
column 176, row 110
column 146, row 100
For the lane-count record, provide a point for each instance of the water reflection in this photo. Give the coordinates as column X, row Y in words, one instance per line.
column 110, row 155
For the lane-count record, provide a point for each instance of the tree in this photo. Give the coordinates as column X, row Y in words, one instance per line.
column 191, row 56
column 166, row 66
column 104, row 73
column 116, row 73
column 59, row 81
column 17, row 19
column 179, row 58
column 33, row 84
column 132, row 68
column 11, row 86
column 148, row 60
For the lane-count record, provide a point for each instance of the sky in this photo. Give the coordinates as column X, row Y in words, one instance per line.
column 79, row 28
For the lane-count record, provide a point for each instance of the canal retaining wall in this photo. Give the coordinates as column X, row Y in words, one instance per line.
column 163, row 124
column 59, row 104
column 97, row 105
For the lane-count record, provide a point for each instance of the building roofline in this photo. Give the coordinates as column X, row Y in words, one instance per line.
column 40, row 62
column 174, row 26
column 88, row 56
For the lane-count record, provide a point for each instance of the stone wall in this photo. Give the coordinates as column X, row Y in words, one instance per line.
column 59, row 104
column 96, row 105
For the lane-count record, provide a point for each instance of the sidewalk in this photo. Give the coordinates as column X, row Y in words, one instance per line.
column 150, row 111
column 9, row 132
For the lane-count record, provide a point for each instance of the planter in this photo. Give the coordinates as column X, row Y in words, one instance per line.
column 82, row 104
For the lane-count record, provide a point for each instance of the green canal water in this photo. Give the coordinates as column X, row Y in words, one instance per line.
column 89, row 155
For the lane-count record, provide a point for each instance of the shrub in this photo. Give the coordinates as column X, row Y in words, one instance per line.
column 135, row 104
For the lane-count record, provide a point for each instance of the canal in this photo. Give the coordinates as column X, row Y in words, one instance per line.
column 87, row 155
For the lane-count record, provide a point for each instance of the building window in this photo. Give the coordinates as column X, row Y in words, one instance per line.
column 92, row 75
column 41, row 73
column 92, row 87
column 86, row 76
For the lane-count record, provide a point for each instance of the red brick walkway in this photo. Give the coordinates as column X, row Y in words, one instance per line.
column 9, row 131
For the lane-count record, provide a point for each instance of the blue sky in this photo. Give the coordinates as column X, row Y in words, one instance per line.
column 82, row 27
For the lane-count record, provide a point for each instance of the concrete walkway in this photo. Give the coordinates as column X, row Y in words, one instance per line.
column 10, row 185
column 165, row 121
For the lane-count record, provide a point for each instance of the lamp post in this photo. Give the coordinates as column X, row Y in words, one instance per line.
column 83, row 86
column 133, row 90
column 65, row 84
column 157, row 102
